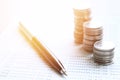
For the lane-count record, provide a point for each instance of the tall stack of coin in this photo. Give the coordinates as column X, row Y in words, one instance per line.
column 80, row 17
column 92, row 32
column 103, row 52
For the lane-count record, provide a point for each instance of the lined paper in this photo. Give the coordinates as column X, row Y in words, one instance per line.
column 19, row 61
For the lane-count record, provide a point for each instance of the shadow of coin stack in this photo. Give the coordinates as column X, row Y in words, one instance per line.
column 80, row 17
column 103, row 52
column 92, row 33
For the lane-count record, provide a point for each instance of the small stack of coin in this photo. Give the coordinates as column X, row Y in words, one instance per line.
column 103, row 52
column 80, row 17
column 92, row 33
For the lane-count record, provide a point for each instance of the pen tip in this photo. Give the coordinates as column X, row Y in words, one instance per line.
column 63, row 72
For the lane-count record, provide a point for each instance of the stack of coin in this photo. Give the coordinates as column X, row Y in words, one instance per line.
column 92, row 33
column 80, row 17
column 103, row 52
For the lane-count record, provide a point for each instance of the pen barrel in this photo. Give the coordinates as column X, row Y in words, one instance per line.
column 45, row 53
column 42, row 50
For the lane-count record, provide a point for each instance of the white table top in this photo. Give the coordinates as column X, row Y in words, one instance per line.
column 53, row 22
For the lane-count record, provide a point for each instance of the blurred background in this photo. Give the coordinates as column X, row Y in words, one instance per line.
column 4, row 14
column 58, row 12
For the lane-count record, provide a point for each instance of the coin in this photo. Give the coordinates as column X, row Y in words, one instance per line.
column 81, row 12
column 82, row 18
column 87, row 47
column 78, row 36
column 93, row 33
column 103, row 62
column 97, row 37
column 103, row 53
column 78, row 41
column 87, row 18
column 89, row 42
column 91, row 29
column 93, row 25
column 78, row 33
column 103, row 57
column 78, row 28
column 79, row 22
column 104, row 46
column 79, row 25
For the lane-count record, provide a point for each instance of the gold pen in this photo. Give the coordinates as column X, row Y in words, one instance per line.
column 43, row 51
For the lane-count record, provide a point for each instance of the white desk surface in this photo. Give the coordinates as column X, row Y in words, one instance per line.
column 54, row 24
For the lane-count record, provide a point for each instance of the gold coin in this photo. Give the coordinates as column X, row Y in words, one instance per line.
column 81, row 12
column 82, row 19
column 79, row 28
column 78, row 36
column 78, row 41
column 78, row 22
column 87, row 18
column 78, row 33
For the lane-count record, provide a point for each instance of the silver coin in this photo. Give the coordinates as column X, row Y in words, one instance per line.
column 93, row 25
column 103, row 63
column 89, row 42
column 102, row 53
column 93, row 32
column 102, row 60
column 104, row 46
column 93, row 28
column 106, row 64
column 87, row 47
column 103, row 57
column 97, row 37
column 88, row 28
column 100, row 29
